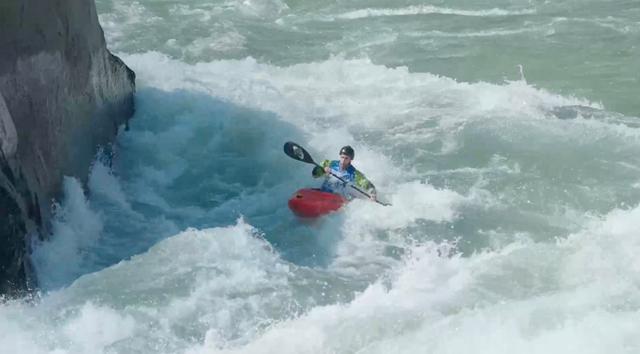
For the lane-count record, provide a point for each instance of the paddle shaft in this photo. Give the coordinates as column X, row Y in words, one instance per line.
column 351, row 185
column 297, row 152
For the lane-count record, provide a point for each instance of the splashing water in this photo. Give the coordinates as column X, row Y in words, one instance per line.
column 514, row 217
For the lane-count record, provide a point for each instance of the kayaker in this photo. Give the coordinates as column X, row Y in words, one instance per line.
column 345, row 170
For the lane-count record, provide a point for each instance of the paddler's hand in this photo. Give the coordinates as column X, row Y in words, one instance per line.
column 327, row 170
column 373, row 198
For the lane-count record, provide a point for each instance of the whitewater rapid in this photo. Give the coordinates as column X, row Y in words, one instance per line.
column 514, row 218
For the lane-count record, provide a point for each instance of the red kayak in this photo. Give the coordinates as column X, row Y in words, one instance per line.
column 311, row 203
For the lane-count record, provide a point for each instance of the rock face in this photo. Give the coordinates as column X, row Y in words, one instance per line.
column 62, row 95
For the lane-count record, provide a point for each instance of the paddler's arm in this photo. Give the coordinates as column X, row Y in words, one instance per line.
column 363, row 183
column 320, row 171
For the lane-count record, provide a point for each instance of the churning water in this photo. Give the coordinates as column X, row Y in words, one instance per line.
column 504, row 133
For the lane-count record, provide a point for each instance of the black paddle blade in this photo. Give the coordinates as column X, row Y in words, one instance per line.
column 297, row 152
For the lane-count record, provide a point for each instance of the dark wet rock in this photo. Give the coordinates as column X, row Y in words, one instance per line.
column 62, row 96
column 590, row 113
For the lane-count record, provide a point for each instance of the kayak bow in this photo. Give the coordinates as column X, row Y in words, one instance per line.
column 311, row 203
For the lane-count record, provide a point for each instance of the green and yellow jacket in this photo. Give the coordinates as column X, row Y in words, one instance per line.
column 351, row 175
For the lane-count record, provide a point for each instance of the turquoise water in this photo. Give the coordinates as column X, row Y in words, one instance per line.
column 504, row 133
column 576, row 48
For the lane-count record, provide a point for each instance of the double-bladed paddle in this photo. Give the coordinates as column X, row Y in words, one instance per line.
column 297, row 152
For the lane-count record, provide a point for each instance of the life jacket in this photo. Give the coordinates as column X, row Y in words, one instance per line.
column 351, row 175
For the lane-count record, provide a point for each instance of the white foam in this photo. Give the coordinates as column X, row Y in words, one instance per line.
column 444, row 304
column 410, row 202
column 429, row 9
column 201, row 14
column 230, row 41
column 125, row 16
column 471, row 34
column 258, row 8
column 75, row 228
column 531, row 297
column 593, row 262
column 96, row 328
column 225, row 279
column 103, row 182
column 383, row 289
column 330, row 94
column 617, row 24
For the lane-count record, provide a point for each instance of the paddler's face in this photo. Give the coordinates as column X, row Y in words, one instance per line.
column 345, row 161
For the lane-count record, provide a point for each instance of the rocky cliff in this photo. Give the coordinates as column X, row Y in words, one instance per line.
column 62, row 95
